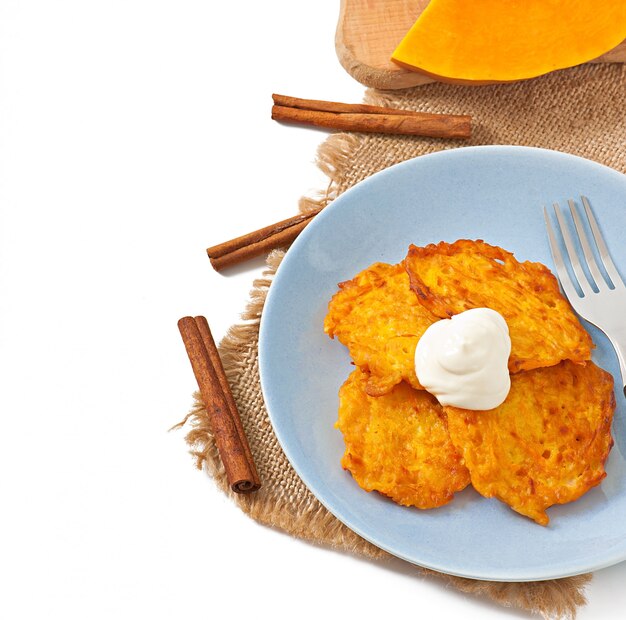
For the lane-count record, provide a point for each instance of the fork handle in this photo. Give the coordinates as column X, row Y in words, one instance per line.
column 619, row 344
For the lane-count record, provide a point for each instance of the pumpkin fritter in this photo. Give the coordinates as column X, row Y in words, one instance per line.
column 398, row 444
column 546, row 444
column 449, row 278
column 379, row 319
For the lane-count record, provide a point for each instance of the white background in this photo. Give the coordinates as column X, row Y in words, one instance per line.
column 133, row 134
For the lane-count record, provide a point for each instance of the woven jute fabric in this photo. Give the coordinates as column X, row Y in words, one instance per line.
column 580, row 111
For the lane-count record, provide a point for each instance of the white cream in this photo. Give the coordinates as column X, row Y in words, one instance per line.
column 463, row 361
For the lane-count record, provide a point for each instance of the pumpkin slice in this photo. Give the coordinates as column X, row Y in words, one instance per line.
column 506, row 40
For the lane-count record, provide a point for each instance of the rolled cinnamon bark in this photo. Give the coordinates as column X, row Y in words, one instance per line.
column 256, row 243
column 336, row 106
column 368, row 118
column 226, row 426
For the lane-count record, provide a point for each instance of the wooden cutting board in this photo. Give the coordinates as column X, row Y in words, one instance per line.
column 369, row 30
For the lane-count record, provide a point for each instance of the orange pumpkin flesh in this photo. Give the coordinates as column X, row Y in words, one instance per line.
column 507, row 40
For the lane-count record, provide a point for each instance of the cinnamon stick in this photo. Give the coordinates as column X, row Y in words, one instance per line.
column 255, row 243
column 429, row 125
column 335, row 106
column 224, row 419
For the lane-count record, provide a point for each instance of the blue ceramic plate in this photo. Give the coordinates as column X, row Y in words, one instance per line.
column 495, row 193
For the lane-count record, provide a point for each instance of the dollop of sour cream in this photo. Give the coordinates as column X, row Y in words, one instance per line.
column 463, row 361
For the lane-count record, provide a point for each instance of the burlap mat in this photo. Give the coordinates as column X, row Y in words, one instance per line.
column 580, row 111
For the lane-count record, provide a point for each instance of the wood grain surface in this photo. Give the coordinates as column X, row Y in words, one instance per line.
column 368, row 32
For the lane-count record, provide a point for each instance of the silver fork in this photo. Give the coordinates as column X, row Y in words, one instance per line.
column 601, row 300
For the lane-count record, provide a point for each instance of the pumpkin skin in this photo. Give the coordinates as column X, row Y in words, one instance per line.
column 486, row 41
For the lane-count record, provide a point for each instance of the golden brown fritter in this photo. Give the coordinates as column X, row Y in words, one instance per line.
column 398, row 444
column 379, row 319
column 546, row 444
column 449, row 278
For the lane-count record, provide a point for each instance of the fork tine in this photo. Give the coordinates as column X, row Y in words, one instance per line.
column 564, row 278
column 584, row 242
column 605, row 257
column 571, row 253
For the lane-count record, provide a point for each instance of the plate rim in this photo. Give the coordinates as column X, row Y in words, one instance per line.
column 520, row 576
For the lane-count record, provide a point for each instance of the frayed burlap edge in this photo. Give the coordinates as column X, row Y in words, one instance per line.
column 311, row 525
column 551, row 599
